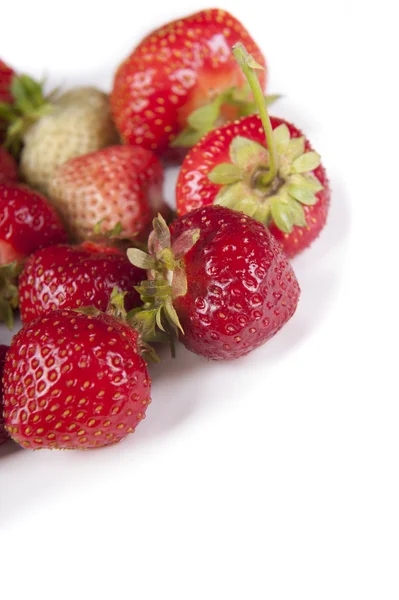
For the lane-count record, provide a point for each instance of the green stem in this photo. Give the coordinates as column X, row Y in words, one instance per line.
column 248, row 66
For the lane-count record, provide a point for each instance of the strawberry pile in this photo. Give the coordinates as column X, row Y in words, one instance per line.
column 98, row 265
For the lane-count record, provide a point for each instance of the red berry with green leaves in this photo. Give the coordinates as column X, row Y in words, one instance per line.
column 8, row 166
column 74, row 381
column 119, row 184
column 27, row 222
column 3, row 434
column 265, row 168
column 221, row 278
column 181, row 80
column 75, row 276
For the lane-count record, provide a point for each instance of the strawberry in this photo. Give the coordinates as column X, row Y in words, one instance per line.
column 8, row 166
column 74, row 381
column 74, row 276
column 270, row 172
column 120, row 184
column 220, row 278
column 3, row 434
column 27, row 223
column 181, row 80
column 51, row 130
column 79, row 123
column 6, row 76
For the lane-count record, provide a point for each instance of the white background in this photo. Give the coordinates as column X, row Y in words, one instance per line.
column 274, row 477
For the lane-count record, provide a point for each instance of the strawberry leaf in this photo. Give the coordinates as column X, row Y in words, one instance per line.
column 297, row 213
column 187, row 138
column 204, row 117
column 296, row 147
column 171, row 314
column 309, row 182
column 185, row 242
column 245, row 152
column 225, row 173
column 179, row 282
column 306, row 162
column 141, row 259
column 7, row 113
column 282, row 137
column 161, row 237
column 302, row 194
column 281, row 215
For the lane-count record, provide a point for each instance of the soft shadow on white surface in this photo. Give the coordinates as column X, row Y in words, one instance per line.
column 188, row 384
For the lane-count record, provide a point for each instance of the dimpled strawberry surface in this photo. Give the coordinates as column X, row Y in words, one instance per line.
column 74, row 381
column 175, row 70
column 241, row 287
column 75, row 276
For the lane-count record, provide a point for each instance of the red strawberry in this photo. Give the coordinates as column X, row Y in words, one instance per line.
column 231, row 166
column 75, row 276
column 184, row 66
column 8, row 166
column 3, row 434
column 220, row 277
column 27, row 223
column 120, row 184
column 74, row 381
column 6, row 75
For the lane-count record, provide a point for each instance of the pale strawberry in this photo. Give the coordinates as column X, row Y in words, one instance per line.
column 119, row 184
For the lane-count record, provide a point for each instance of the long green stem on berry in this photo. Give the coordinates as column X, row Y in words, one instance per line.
column 248, row 66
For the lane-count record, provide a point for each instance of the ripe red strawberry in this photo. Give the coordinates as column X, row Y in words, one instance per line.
column 27, row 223
column 3, row 434
column 181, row 80
column 74, row 276
column 232, row 166
column 120, row 184
column 8, row 166
column 6, row 75
column 74, row 381
column 220, row 277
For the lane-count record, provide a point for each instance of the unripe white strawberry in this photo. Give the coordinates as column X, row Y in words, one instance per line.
column 79, row 123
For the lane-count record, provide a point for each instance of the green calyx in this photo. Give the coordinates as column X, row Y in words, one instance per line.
column 208, row 117
column 245, row 187
column 166, row 280
column 28, row 106
column 270, row 184
column 9, row 298
column 109, row 234
column 116, row 309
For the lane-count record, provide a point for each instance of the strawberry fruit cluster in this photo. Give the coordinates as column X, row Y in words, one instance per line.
column 99, row 266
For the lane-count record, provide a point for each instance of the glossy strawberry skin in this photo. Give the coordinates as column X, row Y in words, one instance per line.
column 67, row 276
column 27, row 223
column 175, row 70
column 6, row 75
column 3, row 434
column 194, row 189
column 241, row 287
column 74, row 381
column 8, row 166
column 119, row 184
